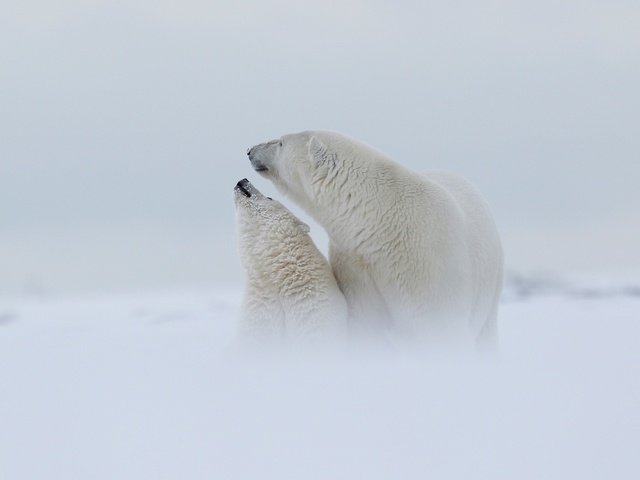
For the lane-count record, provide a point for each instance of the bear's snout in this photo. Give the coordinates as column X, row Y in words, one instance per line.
column 242, row 187
column 259, row 156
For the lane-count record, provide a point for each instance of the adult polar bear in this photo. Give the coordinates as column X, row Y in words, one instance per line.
column 417, row 254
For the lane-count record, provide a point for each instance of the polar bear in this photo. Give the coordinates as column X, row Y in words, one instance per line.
column 415, row 254
column 291, row 295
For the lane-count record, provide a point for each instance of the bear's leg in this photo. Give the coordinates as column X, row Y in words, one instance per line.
column 368, row 313
column 487, row 340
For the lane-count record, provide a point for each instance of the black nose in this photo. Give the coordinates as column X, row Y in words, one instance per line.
column 249, row 151
column 242, row 187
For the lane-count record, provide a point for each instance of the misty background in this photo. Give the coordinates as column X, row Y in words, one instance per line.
column 124, row 127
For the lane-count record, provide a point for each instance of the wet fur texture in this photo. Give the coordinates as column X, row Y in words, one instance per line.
column 291, row 296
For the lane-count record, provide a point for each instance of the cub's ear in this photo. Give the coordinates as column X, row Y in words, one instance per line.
column 318, row 151
column 304, row 228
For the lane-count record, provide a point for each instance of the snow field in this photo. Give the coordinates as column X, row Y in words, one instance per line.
column 145, row 387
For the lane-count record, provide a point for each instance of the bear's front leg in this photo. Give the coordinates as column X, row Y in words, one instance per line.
column 368, row 312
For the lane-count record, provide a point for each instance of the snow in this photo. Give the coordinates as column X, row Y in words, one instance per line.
column 143, row 386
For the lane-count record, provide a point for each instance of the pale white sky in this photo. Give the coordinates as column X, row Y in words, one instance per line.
column 124, row 128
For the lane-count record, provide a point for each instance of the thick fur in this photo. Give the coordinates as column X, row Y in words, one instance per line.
column 291, row 295
column 414, row 254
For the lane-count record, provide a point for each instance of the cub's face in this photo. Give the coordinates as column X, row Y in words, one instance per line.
column 260, row 217
column 295, row 163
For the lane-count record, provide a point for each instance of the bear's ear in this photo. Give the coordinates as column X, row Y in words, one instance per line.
column 317, row 149
column 304, row 227
column 299, row 224
column 319, row 153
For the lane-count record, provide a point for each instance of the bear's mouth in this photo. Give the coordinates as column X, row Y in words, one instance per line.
column 241, row 187
column 257, row 165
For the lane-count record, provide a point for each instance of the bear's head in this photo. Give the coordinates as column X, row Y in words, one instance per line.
column 301, row 165
column 262, row 220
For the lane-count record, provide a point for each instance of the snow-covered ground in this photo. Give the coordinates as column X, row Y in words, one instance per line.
column 143, row 387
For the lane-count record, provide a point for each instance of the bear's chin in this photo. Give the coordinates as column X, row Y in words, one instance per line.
column 243, row 191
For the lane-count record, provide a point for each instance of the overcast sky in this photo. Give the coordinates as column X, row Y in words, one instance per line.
column 123, row 128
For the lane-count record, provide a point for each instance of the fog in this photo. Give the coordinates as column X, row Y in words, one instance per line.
column 123, row 128
column 145, row 387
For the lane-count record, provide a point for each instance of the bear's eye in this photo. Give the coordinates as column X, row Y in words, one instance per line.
column 280, row 143
column 270, row 198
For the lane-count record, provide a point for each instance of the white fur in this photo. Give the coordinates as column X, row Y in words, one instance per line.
column 291, row 295
column 414, row 254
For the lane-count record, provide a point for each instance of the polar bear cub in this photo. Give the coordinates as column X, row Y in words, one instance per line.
column 291, row 295
column 417, row 254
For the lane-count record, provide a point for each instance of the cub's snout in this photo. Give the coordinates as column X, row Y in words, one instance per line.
column 243, row 187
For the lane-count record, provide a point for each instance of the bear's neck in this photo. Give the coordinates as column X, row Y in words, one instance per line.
column 353, row 217
column 289, row 269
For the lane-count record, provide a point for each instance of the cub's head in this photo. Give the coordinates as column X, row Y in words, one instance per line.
column 299, row 164
column 262, row 220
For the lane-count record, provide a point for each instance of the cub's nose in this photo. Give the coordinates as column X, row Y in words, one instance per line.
column 242, row 187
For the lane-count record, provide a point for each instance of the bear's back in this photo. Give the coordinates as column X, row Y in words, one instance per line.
column 482, row 243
